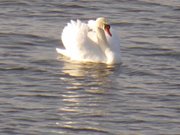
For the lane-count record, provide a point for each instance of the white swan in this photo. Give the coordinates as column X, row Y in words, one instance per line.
column 90, row 42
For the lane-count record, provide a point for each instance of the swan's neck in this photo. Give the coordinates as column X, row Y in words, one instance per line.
column 101, row 37
column 105, row 47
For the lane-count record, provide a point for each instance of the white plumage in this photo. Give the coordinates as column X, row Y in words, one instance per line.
column 94, row 41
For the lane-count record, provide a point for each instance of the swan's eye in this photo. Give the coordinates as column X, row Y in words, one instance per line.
column 106, row 26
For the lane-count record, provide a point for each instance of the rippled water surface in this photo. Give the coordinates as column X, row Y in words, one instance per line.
column 43, row 93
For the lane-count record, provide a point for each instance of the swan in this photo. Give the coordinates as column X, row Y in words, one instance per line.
column 94, row 41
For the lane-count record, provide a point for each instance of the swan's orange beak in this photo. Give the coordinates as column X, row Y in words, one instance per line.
column 107, row 29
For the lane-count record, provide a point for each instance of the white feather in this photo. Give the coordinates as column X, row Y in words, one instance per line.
column 81, row 43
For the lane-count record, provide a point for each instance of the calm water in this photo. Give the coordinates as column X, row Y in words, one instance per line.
column 44, row 94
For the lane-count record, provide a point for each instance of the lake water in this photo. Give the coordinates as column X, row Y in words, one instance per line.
column 42, row 93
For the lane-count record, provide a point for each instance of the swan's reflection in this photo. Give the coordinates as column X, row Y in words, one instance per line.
column 89, row 69
column 85, row 99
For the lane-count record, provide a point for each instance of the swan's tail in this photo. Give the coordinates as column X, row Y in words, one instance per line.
column 62, row 52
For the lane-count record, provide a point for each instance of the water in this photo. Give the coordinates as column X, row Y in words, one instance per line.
column 42, row 93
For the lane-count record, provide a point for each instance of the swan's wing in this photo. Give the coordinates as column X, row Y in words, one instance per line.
column 92, row 31
column 74, row 34
column 92, row 25
column 74, row 37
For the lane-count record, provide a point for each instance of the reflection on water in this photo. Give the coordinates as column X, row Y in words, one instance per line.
column 86, row 96
column 77, row 109
column 89, row 75
column 89, row 69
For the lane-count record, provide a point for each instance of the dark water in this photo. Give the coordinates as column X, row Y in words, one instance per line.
column 41, row 93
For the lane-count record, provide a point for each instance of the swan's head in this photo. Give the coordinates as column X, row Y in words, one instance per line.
column 102, row 23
